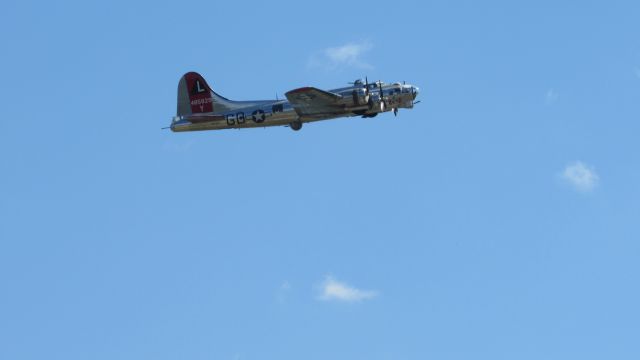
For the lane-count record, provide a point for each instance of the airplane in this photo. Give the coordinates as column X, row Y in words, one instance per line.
column 200, row 108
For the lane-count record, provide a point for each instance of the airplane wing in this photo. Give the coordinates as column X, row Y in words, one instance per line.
column 309, row 101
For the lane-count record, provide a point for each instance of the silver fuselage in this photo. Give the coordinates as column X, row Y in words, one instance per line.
column 263, row 113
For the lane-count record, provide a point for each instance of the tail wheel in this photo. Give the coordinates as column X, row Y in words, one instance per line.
column 296, row 125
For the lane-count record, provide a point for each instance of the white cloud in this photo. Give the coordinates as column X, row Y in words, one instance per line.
column 334, row 290
column 283, row 291
column 285, row 286
column 581, row 176
column 552, row 96
column 346, row 55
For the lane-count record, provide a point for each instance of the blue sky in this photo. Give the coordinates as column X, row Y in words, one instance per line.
column 499, row 219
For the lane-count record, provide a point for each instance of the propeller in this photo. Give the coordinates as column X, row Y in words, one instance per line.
column 366, row 88
column 382, row 104
column 413, row 96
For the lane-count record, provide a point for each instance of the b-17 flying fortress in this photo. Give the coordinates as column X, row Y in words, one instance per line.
column 200, row 108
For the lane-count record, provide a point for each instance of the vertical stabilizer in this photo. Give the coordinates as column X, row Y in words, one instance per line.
column 194, row 95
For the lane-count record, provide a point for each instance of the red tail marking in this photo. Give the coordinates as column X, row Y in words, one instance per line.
column 199, row 93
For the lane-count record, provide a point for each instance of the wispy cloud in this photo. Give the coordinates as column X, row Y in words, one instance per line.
column 581, row 176
column 350, row 54
column 283, row 291
column 334, row 290
column 551, row 96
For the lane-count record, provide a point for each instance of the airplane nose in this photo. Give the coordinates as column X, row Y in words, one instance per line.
column 415, row 91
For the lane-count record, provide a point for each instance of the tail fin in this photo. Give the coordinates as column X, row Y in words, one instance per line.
column 195, row 96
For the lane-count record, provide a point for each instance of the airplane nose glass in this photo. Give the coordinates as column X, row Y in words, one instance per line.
column 416, row 90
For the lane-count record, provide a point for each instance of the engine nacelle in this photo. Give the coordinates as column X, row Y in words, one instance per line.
column 358, row 98
column 375, row 103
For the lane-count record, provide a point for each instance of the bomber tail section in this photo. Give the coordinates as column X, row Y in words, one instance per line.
column 196, row 97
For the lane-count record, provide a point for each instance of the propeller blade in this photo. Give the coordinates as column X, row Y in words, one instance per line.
column 413, row 96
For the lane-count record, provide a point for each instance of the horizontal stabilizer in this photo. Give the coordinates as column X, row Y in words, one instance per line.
column 202, row 118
